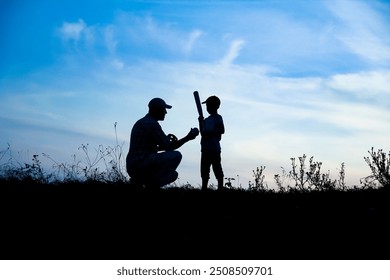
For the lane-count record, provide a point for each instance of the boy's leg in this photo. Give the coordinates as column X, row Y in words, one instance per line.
column 217, row 168
column 220, row 183
column 205, row 164
column 205, row 182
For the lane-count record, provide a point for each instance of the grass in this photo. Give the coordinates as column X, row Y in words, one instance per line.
column 107, row 165
column 88, row 210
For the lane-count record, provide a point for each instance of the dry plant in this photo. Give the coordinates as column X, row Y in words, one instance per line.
column 379, row 163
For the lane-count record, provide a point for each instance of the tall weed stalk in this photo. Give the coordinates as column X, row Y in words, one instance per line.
column 105, row 164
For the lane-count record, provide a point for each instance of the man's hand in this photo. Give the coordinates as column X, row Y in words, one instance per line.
column 174, row 143
column 172, row 137
column 193, row 133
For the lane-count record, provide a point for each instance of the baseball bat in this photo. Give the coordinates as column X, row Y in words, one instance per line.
column 198, row 104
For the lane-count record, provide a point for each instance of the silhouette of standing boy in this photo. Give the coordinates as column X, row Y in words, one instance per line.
column 211, row 130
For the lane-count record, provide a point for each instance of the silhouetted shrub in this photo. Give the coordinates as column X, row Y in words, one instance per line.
column 301, row 178
column 259, row 185
column 379, row 164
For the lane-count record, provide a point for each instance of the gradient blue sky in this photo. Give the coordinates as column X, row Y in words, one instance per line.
column 294, row 77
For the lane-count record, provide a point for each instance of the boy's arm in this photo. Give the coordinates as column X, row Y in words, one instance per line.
column 219, row 126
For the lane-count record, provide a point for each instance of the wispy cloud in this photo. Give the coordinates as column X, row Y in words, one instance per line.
column 363, row 30
column 233, row 52
column 193, row 37
column 72, row 30
column 373, row 86
column 110, row 38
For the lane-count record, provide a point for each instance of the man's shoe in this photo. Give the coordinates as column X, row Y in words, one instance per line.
column 136, row 184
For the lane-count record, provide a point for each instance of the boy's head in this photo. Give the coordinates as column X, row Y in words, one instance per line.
column 212, row 104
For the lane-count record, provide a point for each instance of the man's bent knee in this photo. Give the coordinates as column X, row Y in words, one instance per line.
column 173, row 154
column 171, row 159
column 177, row 156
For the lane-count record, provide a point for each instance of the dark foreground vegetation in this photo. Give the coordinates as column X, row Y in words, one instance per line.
column 104, row 217
column 103, row 221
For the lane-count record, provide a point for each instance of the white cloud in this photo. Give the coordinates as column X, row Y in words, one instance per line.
column 117, row 64
column 363, row 84
column 72, row 30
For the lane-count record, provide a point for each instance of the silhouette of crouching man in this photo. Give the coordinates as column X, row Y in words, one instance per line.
column 152, row 160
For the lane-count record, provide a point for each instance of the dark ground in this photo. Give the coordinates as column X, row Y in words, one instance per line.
column 97, row 221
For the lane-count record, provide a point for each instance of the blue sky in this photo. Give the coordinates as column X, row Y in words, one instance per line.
column 294, row 77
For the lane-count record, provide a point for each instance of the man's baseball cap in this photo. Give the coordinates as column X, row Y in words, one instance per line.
column 158, row 102
column 213, row 100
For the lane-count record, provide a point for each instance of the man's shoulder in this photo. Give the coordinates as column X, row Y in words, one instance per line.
column 146, row 123
column 147, row 120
